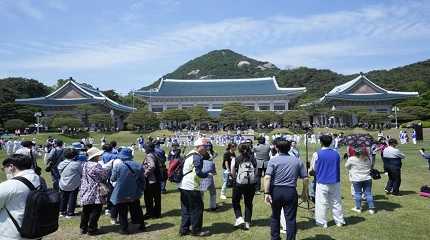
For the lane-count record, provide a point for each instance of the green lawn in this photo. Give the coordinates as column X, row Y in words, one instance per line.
column 404, row 217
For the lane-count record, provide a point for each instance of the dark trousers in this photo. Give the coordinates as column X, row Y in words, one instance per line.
column 136, row 213
column 152, row 197
column 260, row 174
column 90, row 217
column 55, row 176
column 68, row 202
column 394, row 180
column 284, row 198
column 247, row 191
column 191, row 211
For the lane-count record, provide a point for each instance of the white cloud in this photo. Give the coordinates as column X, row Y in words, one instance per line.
column 283, row 40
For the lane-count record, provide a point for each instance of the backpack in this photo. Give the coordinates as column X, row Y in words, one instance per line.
column 175, row 172
column 246, row 173
column 41, row 212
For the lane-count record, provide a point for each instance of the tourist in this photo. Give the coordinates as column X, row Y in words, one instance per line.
column 280, row 188
column 208, row 183
column 27, row 149
column 9, row 147
column 425, row 155
column 293, row 150
column 152, row 194
column 93, row 176
column 55, row 156
column 108, row 154
column 326, row 164
column 70, row 170
column 393, row 158
column 129, row 179
column 13, row 193
column 244, row 171
column 414, row 137
column 359, row 167
column 226, row 163
column 160, row 154
column 175, row 152
column 261, row 151
column 114, row 145
column 191, row 198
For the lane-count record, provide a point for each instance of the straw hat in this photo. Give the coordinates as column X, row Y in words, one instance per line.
column 94, row 152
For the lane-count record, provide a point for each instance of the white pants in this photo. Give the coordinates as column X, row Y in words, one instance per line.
column 326, row 196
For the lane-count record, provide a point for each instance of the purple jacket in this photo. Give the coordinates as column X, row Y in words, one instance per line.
column 92, row 175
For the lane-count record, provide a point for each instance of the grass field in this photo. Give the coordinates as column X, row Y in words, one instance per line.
column 405, row 217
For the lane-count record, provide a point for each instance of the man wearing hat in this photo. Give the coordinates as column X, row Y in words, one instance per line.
column 191, row 198
column 129, row 180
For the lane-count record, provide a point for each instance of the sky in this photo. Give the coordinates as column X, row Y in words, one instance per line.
column 125, row 45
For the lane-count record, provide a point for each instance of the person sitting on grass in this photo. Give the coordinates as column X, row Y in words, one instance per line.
column 358, row 167
column 70, row 170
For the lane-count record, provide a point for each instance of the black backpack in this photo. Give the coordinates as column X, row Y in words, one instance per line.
column 41, row 212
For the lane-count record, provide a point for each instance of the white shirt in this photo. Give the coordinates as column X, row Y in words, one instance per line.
column 13, row 196
column 390, row 152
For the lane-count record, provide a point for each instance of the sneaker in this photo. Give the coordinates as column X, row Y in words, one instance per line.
column 83, row 231
column 107, row 212
column 339, row 224
column 113, row 222
column 321, row 225
column 62, row 215
column 239, row 222
column 371, row 211
column 283, row 231
column 247, row 226
column 257, row 193
column 356, row 210
column 202, row 234
column 223, row 197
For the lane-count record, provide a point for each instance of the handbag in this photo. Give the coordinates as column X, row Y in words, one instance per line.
column 375, row 174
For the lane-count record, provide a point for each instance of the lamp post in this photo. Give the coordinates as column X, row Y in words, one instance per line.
column 395, row 109
column 38, row 115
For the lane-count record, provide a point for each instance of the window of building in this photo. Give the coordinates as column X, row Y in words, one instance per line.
column 250, row 107
column 217, row 106
column 172, row 106
column 157, row 108
column 187, row 106
column 381, row 110
column 279, row 107
column 264, row 107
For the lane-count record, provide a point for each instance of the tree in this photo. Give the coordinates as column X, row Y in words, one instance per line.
column 87, row 109
column 101, row 119
column 266, row 118
column 198, row 114
column 174, row 115
column 295, row 117
column 410, row 113
column 143, row 120
column 13, row 124
column 66, row 122
column 232, row 114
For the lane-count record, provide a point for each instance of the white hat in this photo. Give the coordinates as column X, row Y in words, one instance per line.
column 94, row 152
column 201, row 142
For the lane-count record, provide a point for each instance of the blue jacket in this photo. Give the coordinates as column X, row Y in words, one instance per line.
column 108, row 156
column 129, row 186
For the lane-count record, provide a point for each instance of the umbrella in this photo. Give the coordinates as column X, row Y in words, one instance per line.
column 358, row 140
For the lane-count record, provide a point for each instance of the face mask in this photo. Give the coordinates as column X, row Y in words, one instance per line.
column 9, row 174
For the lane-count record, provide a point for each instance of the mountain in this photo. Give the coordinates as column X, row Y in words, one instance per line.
column 221, row 64
column 229, row 64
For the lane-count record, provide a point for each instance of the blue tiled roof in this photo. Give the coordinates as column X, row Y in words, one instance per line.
column 89, row 95
column 344, row 92
column 220, row 87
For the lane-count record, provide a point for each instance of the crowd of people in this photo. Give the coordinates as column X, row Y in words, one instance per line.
column 113, row 179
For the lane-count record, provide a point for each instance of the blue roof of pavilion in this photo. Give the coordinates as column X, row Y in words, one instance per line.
column 219, row 87
column 362, row 89
column 73, row 93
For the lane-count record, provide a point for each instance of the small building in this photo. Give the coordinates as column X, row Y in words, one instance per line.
column 73, row 94
column 362, row 93
column 259, row 94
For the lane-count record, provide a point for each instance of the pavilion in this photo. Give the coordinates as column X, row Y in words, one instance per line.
column 259, row 94
column 73, row 94
column 359, row 92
